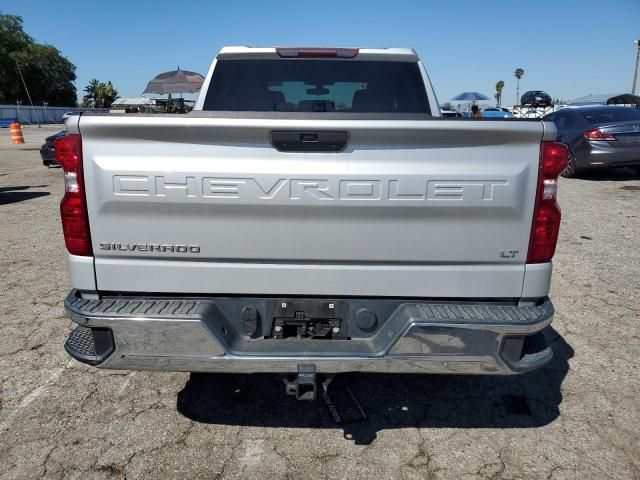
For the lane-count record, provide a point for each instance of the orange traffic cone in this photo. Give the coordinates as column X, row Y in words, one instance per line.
column 16, row 133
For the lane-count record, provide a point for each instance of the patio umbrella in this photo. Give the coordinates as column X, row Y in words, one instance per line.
column 470, row 97
column 176, row 81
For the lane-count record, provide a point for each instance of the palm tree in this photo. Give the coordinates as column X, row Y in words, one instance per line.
column 93, row 93
column 499, row 87
column 99, row 94
column 109, row 94
column 518, row 74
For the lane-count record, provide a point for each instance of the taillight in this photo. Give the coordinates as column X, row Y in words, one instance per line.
column 599, row 135
column 287, row 52
column 73, row 208
column 546, row 213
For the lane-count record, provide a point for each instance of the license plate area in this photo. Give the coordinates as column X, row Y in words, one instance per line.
column 308, row 319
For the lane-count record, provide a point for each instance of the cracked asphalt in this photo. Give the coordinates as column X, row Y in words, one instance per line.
column 577, row 418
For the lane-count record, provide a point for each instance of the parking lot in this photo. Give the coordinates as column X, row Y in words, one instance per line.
column 577, row 418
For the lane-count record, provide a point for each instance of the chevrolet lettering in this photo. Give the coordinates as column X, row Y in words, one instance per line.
column 319, row 189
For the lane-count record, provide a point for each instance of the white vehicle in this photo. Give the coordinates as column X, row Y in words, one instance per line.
column 450, row 113
column 314, row 214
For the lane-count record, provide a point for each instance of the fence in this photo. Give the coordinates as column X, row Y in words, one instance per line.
column 527, row 111
column 33, row 115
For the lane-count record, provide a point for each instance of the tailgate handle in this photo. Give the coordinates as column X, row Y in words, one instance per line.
column 308, row 141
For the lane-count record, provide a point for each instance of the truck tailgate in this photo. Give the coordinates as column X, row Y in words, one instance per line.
column 207, row 205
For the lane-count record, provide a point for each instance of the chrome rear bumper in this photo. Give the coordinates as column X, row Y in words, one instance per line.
column 195, row 334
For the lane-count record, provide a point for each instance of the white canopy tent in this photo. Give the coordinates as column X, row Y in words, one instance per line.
column 132, row 102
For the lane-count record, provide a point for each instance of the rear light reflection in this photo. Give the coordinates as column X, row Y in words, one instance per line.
column 71, row 182
column 550, row 189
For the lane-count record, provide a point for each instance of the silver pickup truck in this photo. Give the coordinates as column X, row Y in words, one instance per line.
column 313, row 215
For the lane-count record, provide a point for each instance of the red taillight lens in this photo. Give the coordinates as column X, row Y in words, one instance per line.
column 286, row 52
column 599, row 135
column 554, row 157
column 546, row 213
column 69, row 152
column 75, row 226
column 544, row 235
column 73, row 208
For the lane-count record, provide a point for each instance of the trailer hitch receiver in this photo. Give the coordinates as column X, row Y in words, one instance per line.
column 304, row 385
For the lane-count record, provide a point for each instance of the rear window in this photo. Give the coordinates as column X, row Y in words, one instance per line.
column 611, row 115
column 317, row 86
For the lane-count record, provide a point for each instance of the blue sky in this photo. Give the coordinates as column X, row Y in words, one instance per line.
column 567, row 48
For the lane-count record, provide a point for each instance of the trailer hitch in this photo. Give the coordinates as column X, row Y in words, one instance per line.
column 305, row 385
column 344, row 407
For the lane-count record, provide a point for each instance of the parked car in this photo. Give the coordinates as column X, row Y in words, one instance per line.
column 536, row 98
column 599, row 137
column 491, row 112
column 495, row 112
column 366, row 233
column 451, row 114
column 48, row 149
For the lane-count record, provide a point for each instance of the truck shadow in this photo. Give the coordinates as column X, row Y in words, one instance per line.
column 17, row 194
column 390, row 400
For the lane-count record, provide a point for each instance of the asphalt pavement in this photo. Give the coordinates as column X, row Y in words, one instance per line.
column 578, row 418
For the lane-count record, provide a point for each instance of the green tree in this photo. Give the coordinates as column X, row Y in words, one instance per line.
column 518, row 74
column 99, row 94
column 498, row 95
column 49, row 76
column 12, row 41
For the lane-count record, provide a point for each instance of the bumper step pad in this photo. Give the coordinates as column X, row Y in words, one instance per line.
column 136, row 307
column 479, row 313
column 81, row 342
column 90, row 345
